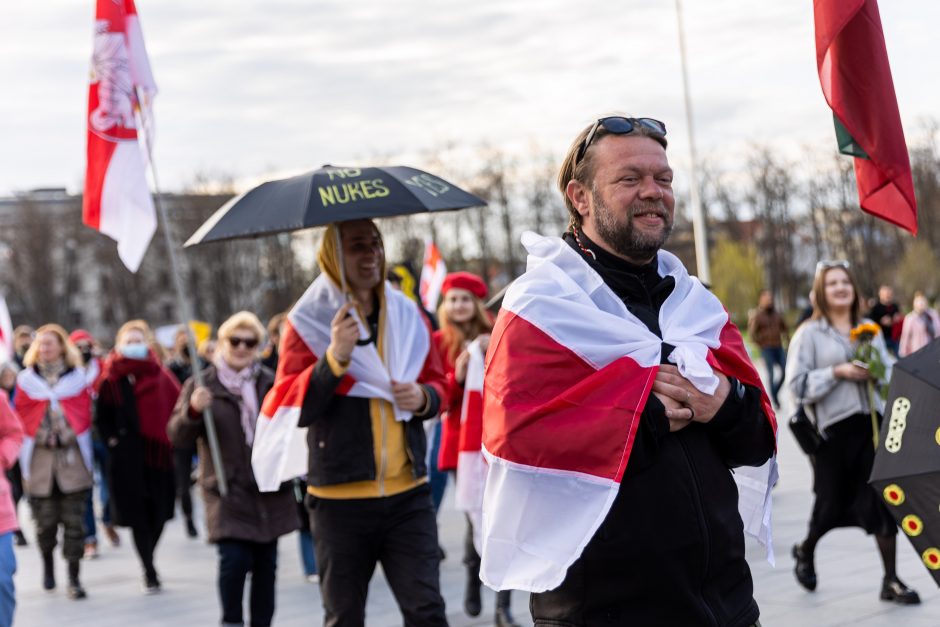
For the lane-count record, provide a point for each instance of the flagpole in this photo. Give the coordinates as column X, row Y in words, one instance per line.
column 185, row 308
column 698, row 215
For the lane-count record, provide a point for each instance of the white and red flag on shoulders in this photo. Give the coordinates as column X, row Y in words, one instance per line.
column 471, row 465
column 568, row 373
column 279, row 452
column 117, row 200
column 433, row 273
column 71, row 396
column 852, row 60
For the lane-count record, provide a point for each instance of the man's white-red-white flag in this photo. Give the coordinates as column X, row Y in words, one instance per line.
column 568, row 373
column 117, row 200
column 279, row 452
column 6, row 331
column 433, row 273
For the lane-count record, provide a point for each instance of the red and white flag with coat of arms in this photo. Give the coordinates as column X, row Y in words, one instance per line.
column 117, row 200
column 568, row 373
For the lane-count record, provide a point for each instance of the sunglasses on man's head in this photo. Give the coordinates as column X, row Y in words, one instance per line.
column 248, row 342
column 618, row 125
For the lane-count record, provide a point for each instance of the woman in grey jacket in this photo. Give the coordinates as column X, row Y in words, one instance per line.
column 820, row 369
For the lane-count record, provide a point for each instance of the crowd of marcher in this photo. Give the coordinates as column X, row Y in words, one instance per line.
column 604, row 329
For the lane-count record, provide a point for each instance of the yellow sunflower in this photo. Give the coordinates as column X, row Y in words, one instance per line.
column 866, row 328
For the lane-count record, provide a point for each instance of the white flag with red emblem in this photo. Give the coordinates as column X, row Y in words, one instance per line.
column 433, row 273
column 568, row 374
column 117, row 200
column 6, row 331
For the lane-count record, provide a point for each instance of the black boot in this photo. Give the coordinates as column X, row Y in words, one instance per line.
column 19, row 538
column 191, row 528
column 804, row 569
column 75, row 590
column 48, row 572
column 503, row 613
column 893, row 589
column 472, row 604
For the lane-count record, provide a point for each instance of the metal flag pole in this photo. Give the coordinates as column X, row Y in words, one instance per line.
column 698, row 214
column 185, row 309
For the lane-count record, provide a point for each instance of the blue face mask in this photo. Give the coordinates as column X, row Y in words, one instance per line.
column 134, row 351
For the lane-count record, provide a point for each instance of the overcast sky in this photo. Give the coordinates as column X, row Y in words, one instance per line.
column 250, row 88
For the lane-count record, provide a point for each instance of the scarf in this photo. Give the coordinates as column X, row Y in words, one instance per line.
column 241, row 383
column 155, row 392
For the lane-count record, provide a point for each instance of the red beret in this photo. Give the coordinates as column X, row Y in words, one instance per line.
column 81, row 335
column 465, row 281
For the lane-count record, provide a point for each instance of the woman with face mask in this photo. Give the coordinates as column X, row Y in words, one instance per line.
column 135, row 400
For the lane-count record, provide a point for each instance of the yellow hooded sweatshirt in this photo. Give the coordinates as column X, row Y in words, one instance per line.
column 393, row 464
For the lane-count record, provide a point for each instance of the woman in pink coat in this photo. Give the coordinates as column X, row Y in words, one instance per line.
column 11, row 438
column 921, row 326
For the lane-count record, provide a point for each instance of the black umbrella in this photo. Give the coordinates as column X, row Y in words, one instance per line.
column 331, row 194
column 907, row 464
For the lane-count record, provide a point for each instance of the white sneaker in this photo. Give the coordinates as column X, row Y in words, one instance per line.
column 314, row 578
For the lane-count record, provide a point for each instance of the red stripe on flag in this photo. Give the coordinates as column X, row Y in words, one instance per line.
column 99, row 156
column 471, row 429
column 546, row 407
column 731, row 359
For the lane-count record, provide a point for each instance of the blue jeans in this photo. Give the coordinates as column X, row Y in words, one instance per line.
column 104, row 497
column 436, row 478
column 307, row 557
column 7, row 569
column 774, row 357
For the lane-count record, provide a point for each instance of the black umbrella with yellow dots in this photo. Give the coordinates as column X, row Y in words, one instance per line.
column 906, row 472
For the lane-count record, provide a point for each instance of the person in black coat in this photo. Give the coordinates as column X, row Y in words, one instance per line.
column 135, row 402
column 671, row 548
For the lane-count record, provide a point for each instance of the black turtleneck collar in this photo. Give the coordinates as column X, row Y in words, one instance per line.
column 640, row 287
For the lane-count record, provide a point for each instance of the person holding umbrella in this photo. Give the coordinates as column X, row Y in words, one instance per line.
column 357, row 370
column 822, row 371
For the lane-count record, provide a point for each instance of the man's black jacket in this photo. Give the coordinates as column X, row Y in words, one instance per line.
column 671, row 550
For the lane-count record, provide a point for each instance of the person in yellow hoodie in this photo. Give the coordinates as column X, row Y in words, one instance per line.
column 367, row 491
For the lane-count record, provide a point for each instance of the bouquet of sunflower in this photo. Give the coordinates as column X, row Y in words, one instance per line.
column 867, row 356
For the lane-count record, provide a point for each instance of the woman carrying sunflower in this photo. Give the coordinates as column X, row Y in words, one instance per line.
column 835, row 362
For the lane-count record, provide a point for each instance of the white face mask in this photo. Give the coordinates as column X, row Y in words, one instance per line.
column 134, row 351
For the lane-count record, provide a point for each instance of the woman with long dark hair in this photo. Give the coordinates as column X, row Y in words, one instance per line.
column 135, row 401
column 823, row 374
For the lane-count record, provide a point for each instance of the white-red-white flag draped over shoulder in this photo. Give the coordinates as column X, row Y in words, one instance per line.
column 568, row 373
column 117, row 200
column 279, row 452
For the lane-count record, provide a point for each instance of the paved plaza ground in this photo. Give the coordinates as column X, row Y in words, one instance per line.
column 847, row 563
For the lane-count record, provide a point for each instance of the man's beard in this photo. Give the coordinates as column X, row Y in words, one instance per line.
column 623, row 237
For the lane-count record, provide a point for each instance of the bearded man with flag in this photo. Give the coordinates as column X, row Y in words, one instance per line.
column 617, row 397
column 356, row 373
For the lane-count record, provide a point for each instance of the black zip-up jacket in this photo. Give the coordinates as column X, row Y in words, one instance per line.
column 340, row 429
column 671, row 550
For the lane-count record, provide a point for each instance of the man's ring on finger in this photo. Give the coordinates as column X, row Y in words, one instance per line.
column 691, row 411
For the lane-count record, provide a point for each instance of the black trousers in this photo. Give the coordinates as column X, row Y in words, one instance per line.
column 236, row 559
column 182, row 471
column 400, row 532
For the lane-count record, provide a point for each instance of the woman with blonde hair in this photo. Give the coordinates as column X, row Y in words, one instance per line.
column 246, row 525
column 53, row 399
column 823, row 374
column 135, row 401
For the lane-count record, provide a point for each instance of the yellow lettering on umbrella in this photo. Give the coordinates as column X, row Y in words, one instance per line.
column 348, row 192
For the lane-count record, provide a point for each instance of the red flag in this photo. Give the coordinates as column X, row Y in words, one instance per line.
column 117, row 200
column 856, row 81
